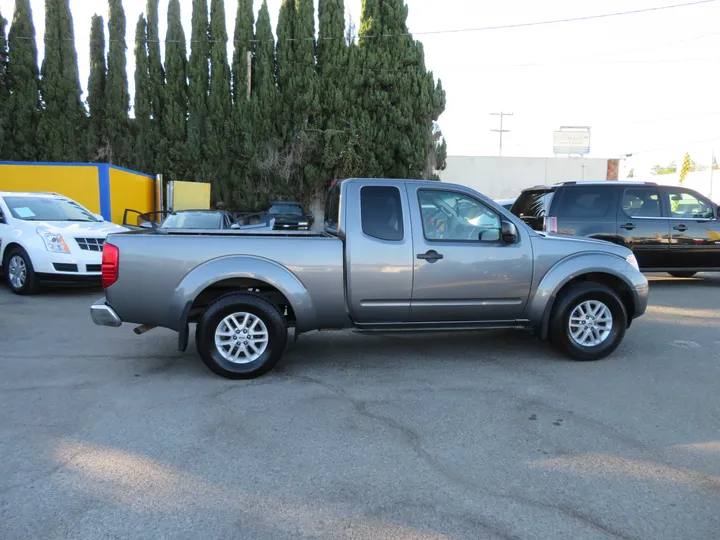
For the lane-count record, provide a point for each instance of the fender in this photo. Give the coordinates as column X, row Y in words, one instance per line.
column 243, row 266
column 564, row 271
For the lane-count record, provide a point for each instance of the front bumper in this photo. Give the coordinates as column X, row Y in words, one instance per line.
column 641, row 290
column 104, row 315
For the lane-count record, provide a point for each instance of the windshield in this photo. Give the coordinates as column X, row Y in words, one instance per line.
column 286, row 209
column 193, row 220
column 47, row 209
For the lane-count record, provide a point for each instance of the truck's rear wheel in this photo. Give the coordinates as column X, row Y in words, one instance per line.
column 588, row 321
column 241, row 336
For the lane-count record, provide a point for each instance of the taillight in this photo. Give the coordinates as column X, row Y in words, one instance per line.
column 550, row 225
column 110, row 264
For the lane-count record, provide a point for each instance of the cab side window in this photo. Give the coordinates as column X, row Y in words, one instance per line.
column 642, row 203
column 683, row 204
column 381, row 212
column 451, row 216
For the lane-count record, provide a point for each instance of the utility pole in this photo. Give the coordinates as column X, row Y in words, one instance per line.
column 501, row 130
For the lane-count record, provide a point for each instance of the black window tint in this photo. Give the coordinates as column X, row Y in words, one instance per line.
column 332, row 207
column 585, row 202
column 381, row 212
column 533, row 206
column 641, row 202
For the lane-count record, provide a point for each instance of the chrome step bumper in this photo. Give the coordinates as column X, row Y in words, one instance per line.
column 103, row 315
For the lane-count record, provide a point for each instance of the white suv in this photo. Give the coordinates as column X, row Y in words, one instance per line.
column 45, row 237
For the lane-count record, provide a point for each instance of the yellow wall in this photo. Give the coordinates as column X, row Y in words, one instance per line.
column 191, row 196
column 129, row 190
column 79, row 183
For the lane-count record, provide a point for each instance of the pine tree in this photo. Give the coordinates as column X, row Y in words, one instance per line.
column 198, row 79
column 400, row 100
column 97, row 136
column 117, row 100
column 22, row 111
column 285, row 65
column 264, row 89
column 4, row 92
column 143, row 153
column 219, row 103
column 61, row 132
column 242, row 39
column 175, row 164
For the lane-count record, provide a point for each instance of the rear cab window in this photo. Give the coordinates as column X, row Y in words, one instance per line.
column 381, row 213
column 533, row 206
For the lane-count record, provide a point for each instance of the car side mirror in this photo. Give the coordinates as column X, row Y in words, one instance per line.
column 100, row 217
column 235, row 226
column 309, row 215
column 146, row 225
column 509, row 232
column 2, row 219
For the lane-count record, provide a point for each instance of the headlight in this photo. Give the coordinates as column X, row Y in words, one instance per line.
column 303, row 224
column 53, row 242
column 632, row 261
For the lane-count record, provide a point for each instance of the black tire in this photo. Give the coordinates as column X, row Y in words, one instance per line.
column 270, row 316
column 30, row 284
column 682, row 274
column 571, row 298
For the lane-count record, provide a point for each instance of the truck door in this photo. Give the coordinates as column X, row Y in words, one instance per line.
column 463, row 270
column 379, row 252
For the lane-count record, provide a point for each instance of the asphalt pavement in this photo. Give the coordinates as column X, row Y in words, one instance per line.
column 105, row 434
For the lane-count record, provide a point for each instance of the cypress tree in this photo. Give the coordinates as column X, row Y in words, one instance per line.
column 143, row 154
column 117, row 98
column 155, row 67
column 243, row 41
column 286, row 65
column 174, row 146
column 61, row 132
column 4, row 92
column 22, row 110
column 219, row 103
column 400, row 100
column 264, row 89
column 333, row 58
column 198, row 83
column 97, row 137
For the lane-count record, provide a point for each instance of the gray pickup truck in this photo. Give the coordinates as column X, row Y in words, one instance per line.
column 396, row 255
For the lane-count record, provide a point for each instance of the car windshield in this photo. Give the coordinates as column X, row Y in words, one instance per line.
column 286, row 210
column 47, row 209
column 193, row 220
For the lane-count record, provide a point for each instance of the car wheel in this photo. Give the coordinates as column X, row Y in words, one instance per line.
column 682, row 274
column 19, row 272
column 588, row 321
column 241, row 336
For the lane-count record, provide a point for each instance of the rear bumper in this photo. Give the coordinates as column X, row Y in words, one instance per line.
column 104, row 315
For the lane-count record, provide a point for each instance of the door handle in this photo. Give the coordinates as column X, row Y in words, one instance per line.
column 628, row 226
column 680, row 228
column 431, row 256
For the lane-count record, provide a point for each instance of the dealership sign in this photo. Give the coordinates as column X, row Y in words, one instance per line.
column 572, row 141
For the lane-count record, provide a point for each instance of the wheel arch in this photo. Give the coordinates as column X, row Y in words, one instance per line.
column 606, row 269
column 226, row 275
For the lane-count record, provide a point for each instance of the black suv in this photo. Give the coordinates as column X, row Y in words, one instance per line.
column 670, row 229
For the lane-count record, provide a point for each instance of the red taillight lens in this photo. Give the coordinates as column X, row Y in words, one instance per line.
column 551, row 225
column 110, row 264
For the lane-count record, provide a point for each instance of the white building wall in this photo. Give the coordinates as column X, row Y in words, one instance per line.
column 504, row 177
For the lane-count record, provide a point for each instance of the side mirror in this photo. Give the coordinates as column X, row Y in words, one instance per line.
column 235, row 226
column 100, row 217
column 309, row 215
column 2, row 219
column 509, row 232
column 146, row 225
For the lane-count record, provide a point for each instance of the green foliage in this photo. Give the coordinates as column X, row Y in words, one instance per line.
column 4, row 92
column 155, row 67
column 117, row 98
column 243, row 41
column 671, row 168
column 143, row 152
column 198, row 84
column 22, row 110
column 97, row 143
column 174, row 162
column 61, row 132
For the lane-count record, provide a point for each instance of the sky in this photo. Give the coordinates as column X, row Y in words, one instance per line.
column 647, row 84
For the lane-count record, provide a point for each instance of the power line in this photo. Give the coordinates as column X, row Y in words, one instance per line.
column 428, row 32
column 501, row 130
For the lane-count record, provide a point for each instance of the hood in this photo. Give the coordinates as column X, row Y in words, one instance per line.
column 79, row 228
column 573, row 244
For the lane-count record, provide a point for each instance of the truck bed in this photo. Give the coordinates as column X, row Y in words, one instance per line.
column 152, row 266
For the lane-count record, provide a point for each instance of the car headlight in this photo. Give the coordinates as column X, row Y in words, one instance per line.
column 632, row 261
column 303, row 224
column 53, row 242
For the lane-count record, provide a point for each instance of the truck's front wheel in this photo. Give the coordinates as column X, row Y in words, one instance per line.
column 588, row 321
column 241, row 336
